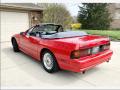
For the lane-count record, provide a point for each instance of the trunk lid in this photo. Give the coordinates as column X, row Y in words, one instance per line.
column 93, row 40
column 86, row 41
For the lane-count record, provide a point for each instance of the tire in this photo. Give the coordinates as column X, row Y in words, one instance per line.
column 49, row 62
column 15, row 45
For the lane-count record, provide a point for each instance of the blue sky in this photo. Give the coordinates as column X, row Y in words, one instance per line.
column 72, row 8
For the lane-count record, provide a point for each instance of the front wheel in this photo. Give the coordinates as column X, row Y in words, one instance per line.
column 49, row 62
column 15, row 45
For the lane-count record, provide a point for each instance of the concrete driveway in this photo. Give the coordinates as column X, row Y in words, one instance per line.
column 21, row 71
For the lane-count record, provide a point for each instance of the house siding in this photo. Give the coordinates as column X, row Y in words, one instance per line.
column 35, row 16
column 113, row 9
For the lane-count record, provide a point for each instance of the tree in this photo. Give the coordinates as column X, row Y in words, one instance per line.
column 57, row 13
column 94, row 16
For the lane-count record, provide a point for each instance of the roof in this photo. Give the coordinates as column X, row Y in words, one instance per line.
column 22, row 6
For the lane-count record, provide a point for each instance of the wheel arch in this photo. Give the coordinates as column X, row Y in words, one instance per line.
column 15, row 38
column 46, row 49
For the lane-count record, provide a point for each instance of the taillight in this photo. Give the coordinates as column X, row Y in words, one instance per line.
column 106, row 47
column 75, row 54
column 85, row 52
column 80, row 53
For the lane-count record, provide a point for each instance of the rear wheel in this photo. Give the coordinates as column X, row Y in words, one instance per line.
column 15, row 45
column 49, row 62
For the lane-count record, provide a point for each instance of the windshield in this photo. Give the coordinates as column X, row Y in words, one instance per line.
column 47, row 29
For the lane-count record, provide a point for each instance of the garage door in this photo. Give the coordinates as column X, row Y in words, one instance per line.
column 12, row 23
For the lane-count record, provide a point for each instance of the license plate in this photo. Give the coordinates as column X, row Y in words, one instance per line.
column 95, row 50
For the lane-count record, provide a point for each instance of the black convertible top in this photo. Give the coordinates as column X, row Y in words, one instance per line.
column 65, row 34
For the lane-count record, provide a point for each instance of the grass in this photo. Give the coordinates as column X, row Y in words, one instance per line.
column 113, row 34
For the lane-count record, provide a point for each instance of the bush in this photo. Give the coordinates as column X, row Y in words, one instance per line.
column 76, row 26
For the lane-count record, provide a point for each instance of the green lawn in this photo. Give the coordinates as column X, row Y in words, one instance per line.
column 113, row 34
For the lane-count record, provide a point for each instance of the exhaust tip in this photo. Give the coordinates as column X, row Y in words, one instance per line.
column 83, row 72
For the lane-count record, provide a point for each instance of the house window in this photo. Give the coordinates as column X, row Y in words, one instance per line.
column 117, row 15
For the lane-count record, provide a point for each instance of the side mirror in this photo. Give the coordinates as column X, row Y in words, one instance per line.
column 22, row 33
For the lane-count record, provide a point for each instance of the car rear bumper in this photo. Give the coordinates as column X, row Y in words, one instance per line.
column 79, row 65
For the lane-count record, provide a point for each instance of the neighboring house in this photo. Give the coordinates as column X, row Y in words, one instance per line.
column 18, row 17
column 114, row 10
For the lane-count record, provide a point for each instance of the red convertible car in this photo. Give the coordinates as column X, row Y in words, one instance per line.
column 57, row 49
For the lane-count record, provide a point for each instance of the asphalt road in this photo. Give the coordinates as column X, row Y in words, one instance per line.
column 21, row 71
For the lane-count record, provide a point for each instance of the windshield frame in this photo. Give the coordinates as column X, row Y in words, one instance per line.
column 41, row 29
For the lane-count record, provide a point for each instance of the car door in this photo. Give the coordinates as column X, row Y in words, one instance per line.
column 24, row 41
column 29, row 43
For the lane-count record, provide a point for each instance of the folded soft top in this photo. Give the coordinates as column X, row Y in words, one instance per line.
column 65, row 34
